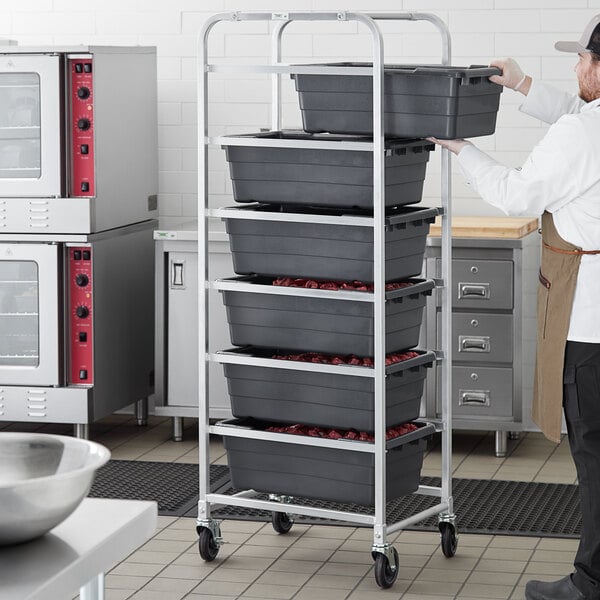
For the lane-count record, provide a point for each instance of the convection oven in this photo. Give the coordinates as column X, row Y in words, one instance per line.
column 78, row 201
column 78, row 138
column 76, row 323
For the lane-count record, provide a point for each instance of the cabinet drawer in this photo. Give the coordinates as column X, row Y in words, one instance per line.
column 480, row 392
column 482, row 284
column 481, row 337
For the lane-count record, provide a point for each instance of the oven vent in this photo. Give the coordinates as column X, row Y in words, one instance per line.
column 2, row 214
column 36, row 403
column 38, row 213
column 1, row 399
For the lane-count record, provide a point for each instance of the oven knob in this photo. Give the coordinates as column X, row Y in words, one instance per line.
column 83, row 93
column 84, row 124
column 82, row 312
column 82, row 280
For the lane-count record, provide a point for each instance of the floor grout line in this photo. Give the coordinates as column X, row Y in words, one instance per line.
column 474, row 451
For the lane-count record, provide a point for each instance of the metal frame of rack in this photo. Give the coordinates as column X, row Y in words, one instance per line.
column 384, row 554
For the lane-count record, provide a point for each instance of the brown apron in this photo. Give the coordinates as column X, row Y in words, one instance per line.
column 558, row 277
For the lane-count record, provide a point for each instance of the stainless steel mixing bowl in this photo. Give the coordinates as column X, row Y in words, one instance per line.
column 43, row 478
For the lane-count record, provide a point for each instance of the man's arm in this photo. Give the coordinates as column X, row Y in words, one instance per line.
column 548, row 103
column 545, row 182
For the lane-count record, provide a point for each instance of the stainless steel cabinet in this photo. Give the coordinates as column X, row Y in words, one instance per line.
column 176, row 335
column 494, row 274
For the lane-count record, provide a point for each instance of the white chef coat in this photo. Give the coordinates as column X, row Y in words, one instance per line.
column 562, row 176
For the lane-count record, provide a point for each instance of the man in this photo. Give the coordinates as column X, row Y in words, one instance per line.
column 561, row 181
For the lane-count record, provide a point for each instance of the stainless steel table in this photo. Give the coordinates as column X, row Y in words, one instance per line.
column 76, row 553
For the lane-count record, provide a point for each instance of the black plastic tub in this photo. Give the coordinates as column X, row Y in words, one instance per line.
column 328, row 250
column 316, row 323
column 326, row 473
column 419, row 101
column 323, row 399
column 325, row 177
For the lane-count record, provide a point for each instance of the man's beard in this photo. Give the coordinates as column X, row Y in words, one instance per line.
column 587, row 93
column 587, row 96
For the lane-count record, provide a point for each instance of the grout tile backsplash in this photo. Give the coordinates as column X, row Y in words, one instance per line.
column 480, row 29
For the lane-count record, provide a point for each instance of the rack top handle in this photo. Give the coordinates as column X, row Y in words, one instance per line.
column 368, row 19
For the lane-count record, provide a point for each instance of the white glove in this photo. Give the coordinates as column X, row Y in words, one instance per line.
column 512, row 75
column 455, row 146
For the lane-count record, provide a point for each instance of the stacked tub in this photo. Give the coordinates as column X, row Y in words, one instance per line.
column 300, row 311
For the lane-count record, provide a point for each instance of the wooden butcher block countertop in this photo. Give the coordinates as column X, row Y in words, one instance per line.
column 487, row 227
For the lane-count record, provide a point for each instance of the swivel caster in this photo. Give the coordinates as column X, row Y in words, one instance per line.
column 282, row 522
column 449, row 540
column 209, row 540
column 386, row 571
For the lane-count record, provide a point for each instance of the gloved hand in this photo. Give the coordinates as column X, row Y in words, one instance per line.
column 455, row 146
column 512, row 75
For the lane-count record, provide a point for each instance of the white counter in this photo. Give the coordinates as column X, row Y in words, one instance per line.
column 76, row 553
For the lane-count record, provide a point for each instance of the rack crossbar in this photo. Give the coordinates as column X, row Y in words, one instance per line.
column 282, row 69
column 273, row 363
column 290, row 143
column 428, row 490
column 285, row 16
column 420, row 516
column 288, row 438
column 234, row 212
column 298, row 509
column 257, row 288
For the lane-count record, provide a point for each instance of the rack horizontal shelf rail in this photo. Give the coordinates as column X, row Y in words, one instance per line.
column 385, row 556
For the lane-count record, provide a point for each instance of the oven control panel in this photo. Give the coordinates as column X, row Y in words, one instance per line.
column 82, row 126
column 81, row 329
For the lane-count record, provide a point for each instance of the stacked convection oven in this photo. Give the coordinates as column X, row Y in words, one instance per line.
column 78, row 197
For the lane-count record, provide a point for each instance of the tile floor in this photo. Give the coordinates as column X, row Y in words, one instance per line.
column 328, row 562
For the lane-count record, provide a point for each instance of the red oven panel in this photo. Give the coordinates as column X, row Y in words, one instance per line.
column 82, row 127
column 81, row 330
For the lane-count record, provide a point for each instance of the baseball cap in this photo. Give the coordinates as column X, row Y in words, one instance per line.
column 588, row 42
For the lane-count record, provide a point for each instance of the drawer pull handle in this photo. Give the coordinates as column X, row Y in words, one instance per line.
column 474, row 344
column 177, row 275
column 474, row 290
column 474, row 398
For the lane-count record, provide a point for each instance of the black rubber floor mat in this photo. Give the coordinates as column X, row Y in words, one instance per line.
column 481, row 506
column 174, row 486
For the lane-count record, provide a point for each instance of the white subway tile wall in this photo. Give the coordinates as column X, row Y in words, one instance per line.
column 481, row 30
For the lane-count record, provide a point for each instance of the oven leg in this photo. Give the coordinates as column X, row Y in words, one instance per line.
column 177, row 429
column 82, row 431
column 141, row 411
column 501, row 443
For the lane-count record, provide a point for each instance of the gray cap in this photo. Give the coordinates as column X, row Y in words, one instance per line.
column 588, row 42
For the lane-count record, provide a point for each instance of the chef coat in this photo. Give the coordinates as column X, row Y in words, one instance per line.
column 561, row 176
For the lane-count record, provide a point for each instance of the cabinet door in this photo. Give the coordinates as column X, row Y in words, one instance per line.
column 29, row 315
column 182, row 331
column 30, row 133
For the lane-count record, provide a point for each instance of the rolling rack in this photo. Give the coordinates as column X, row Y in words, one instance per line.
column 282, row 507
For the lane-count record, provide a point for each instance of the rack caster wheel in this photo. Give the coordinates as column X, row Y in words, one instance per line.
column 449, row 541
column 386, row 574
column 282, row 522
column 207, row 545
